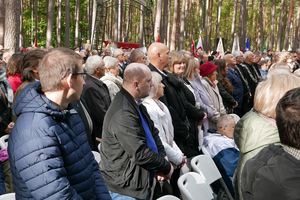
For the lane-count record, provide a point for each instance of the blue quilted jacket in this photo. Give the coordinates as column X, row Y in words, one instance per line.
column 49, row 153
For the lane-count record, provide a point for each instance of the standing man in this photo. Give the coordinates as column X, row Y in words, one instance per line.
column 137, row 56
column 251, row 74
column 96, row 94
column 48, row 150
column 131, row 149
column 236, row 82
column 119, row 54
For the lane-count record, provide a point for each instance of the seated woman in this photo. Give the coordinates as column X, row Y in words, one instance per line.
column 257, row 128
column 14, row 71
column 209, row 81
column 225, row 87
column 112, row 79
column 161, row 117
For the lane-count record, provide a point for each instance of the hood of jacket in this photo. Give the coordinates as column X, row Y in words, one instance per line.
column 32, row 100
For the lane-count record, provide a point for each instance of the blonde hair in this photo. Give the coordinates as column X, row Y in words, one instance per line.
column 156, row 79
column 269, row 92
column 191, row 64
column 176, row 57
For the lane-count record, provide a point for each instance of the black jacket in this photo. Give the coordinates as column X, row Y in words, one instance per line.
column 227, row 97
column 5, row 115
column 175, row 104
column 96, row 96
column 271, row 174
column 126, row 158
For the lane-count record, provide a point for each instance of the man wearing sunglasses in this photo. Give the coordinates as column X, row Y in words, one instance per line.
column 48, row 149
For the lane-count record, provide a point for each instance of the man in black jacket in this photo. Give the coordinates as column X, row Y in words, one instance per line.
column 131, row 150
column 274, row 172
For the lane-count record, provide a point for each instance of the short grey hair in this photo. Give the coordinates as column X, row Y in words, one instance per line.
column 247, row 54
column 92, row 63
column 110, row 62
column 298, row 51
column 224, row 120
column 237, row 53
column 117, row 52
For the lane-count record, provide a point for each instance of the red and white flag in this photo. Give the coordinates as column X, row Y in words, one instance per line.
column 220, row 49
column 199, row 47
column 192, row 47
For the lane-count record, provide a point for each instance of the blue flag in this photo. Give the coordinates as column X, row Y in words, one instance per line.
column 247, row 45
column 150, row 42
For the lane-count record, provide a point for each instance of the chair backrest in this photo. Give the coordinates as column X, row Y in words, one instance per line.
column 194, row 187
column 99, row 145
column 205, row 165
column 168, row 197
column 9, row 196
column 97, row 156
column 4, row 141
column 204, row 150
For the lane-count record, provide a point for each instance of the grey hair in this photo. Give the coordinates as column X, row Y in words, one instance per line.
column 224, row 120
column 298, row 51
column 236, row 53
column 117, row 52
column 92, row 63
column 247, row 54
column 110, row 62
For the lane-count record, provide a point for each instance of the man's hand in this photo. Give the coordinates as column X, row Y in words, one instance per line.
column 9, row 127
column 170, row 173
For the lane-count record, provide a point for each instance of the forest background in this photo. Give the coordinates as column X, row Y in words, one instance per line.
column 267, row 23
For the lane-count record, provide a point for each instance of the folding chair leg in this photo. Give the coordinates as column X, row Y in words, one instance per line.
column 226, row 189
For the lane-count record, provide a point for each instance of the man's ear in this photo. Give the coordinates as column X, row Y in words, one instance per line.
column 136, row 85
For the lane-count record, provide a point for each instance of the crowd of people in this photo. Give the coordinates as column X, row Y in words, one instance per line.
column 152, row 112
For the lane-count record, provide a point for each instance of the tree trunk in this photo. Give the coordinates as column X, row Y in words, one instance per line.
column 77, row 22
column 201, row 22
column 141, row 27
column 233, row 23
column 50, row 18
column 278, row 47
column 21, row 24
column 182, row 24
column 12, row 25
column 174, row 27
column 58, row 22
column 242, row 24
column 178, row 26
column 157, row 19
column 36, row 18
column 94, row 14
column 119, row 21
column 261, row 33
column 116, row 21
column 271, row 42
column 218, row 20
column 67, row 22
column 210, row 25
column 205, row 42
column 163, row 36
column 89, row 13
column 169, row 23
column 2, row 21
column 288, row 25
column 296, row 39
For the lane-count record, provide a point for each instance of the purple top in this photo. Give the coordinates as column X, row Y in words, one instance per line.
column 203, row 99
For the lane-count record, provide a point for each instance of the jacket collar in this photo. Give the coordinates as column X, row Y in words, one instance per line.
column 94, row 80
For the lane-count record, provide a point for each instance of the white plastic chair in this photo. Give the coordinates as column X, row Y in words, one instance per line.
column 205, row 165
column 168, row 197
column 9, row 196
column 4, row 141
column 99, row 145
column 97, row 156
column 194, row 187
column 204, row 150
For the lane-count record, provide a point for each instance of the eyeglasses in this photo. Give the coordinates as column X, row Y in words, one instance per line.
column 81, row 73
column 74, row 74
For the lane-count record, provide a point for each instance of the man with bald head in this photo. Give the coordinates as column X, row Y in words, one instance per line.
column 158, row 54
column 131, row 150
column 237, row 83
